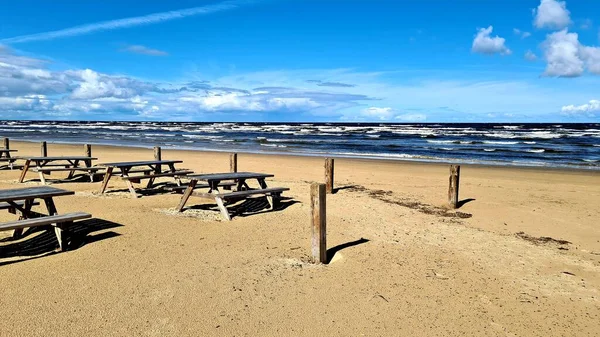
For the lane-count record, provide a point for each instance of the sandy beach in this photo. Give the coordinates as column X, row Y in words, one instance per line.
column 402, row 263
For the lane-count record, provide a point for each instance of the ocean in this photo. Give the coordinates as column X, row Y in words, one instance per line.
column 541, row 145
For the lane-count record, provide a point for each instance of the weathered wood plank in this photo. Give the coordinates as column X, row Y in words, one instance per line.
column 87, row 150
column 32, row 193
column 44, row 149
column 45, row 220
column 140, row 163
column 158, row 175
column 233, row 162
column 318, row 223
column 6, row 143
column 329, row 175
column 454, row 185
column 230, row 176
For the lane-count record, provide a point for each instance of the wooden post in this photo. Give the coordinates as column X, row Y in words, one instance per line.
column 158, row 156
column 87, row 150
column 319, row 222
column 329, row 175
column 454, row 184
column 233, row 162
column 44, row 149
column 7, row 143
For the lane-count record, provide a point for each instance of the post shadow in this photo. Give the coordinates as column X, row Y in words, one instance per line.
column 333, row 250
column 463, row 202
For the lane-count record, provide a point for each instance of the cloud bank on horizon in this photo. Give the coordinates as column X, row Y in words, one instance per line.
column 554, row 83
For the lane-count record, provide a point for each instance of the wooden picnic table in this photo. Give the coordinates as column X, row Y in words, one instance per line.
column 5, row 157
column 47, row 165
column 21, row 201
column 242, row 190
column 150, row 169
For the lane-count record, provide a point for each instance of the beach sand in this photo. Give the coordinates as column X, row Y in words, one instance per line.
column 404, row 264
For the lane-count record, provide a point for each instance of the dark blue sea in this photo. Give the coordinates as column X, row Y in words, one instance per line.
column 545, row 145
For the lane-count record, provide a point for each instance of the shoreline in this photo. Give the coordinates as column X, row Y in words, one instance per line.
column 524, row 253
column 562, row 168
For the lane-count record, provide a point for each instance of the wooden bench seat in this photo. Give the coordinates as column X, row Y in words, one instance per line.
column 66, row 169
column 158, row 175
column 246, row 193
column 180, row 189
column 11, row 208
column 60, row 222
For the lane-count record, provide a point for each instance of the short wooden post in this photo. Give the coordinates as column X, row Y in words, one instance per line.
column 233, row 162
column 454, row 184
column 329, row 175
column 44, row 149
column 87, row 150
column 157, row 156
column 7, row 143
column 319, row 223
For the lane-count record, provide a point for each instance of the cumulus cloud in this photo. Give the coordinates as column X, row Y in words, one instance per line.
column 552, row 14
column 589, row 108
column 530, row 56
column 567, row 57
column 27, row 85
column 139, row 49
column 486, row 44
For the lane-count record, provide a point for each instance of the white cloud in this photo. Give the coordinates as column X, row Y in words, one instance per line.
column 589, row 108
column 92, row 85
column 561, row 50
column 530, row 56
column 485, row 44
column 552, row 14
column 591, row 56
column 378, row 113
column 127, row 22
column 521, row 33
column 139, row 49
column 567, row 57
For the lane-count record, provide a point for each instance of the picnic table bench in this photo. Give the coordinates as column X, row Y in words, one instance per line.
column 46, row 165
column 23, row 199
column 242, row 190
column 151, row 170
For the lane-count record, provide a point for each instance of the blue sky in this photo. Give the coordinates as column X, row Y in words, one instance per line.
column 301, row 60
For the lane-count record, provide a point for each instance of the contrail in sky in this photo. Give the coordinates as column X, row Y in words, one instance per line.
column 129, row 22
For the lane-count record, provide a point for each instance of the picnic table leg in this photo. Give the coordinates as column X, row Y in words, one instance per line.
column 107, row 177
column 75, row 165
column 263, row 184
column 131, row 188
column 150, row 181
column 222, row 207
column 24, row 171
column 42, row 177
column 186, row 195
column 24, row 215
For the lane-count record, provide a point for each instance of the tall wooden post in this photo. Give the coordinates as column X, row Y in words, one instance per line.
column 329, row 175
column 44, row 149
column 233, row 162
column 87, row 150
column 158, row 156
column 7, row 143
column 319, row 223
column 454, row 184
